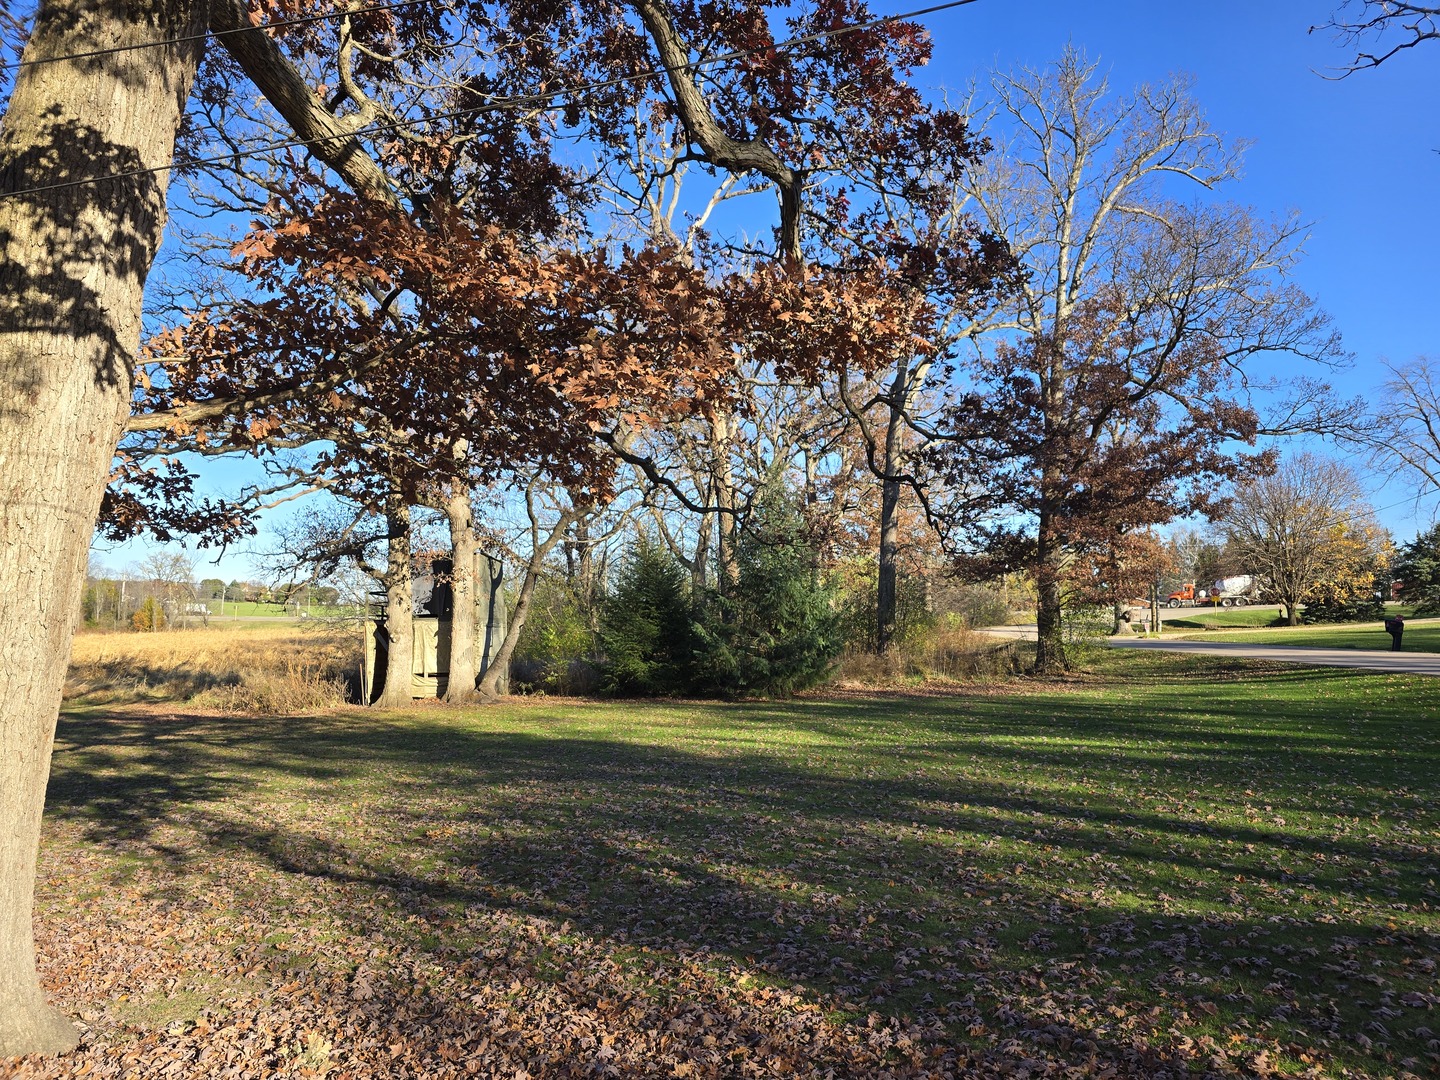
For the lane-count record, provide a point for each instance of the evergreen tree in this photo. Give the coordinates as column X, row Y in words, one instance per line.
column 776, row 630
column 1417, row 568
column 646, row 630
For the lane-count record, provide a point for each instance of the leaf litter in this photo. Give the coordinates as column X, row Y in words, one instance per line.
column 962, row 886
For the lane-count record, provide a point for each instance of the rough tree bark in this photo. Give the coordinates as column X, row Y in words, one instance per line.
column 399, row 609
column 73, row 262
column 887, row 589
column 726, row 499
column 464, row 663
column 889, row 458
column 1050, row 656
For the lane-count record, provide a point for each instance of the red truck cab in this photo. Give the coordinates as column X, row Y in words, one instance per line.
column 1186, row 594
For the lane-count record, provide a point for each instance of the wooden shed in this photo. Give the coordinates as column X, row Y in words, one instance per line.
column 430, row 642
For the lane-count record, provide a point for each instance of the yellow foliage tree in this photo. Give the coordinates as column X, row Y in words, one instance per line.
column 149, row 616
column 1307, row 532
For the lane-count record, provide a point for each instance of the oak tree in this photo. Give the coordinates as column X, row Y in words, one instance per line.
column 1117, row 387
column 89, row 134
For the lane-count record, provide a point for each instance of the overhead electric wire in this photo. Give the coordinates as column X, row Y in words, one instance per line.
column 500, row 105
column 297, row 21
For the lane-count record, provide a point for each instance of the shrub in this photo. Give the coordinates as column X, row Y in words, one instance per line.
column 855, row 585
column 556, row 650
column 981, row 605
column 947, row 651
column 1085, row 629
column 150, row 616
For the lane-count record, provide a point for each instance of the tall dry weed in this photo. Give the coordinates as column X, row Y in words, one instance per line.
column 946, row 652
column 267, row 669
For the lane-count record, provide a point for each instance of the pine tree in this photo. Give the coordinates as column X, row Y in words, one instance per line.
column 776, row 630
column 646, row 629
column 1417, row 568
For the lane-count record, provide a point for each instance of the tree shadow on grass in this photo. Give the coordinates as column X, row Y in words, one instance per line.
column 847, row 866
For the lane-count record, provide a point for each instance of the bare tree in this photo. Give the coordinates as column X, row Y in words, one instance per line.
column 171, row 575
column 1404, row 434
column 1303, row 528
column 1394, row 26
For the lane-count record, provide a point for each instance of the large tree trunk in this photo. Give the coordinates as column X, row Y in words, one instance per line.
column 73, row 262
column 726, row 499
column 887, row 590
column 699, row 563
column 399, row 609
column 464, row 663
column 1049, row 631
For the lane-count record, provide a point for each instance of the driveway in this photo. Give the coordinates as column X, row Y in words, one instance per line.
column 1412, row 663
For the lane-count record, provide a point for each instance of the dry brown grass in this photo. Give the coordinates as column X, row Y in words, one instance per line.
column 945, row 653
column 266, row 668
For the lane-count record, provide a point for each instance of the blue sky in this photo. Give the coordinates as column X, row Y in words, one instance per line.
column 1358, row 157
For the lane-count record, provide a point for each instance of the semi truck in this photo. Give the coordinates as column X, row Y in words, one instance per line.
column 1227, row 592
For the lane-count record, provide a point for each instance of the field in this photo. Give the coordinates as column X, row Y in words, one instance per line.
column 1220, row 619
column 258, row 666
column 266, row 609
column 1175, row 866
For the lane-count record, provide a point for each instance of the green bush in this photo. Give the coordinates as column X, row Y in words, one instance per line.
column 1085, row 629
column 556, row 649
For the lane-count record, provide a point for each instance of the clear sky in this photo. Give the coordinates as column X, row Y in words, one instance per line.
column 1359, row 157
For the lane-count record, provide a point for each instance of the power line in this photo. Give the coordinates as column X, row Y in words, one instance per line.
column 297, row 21
column 518, row 101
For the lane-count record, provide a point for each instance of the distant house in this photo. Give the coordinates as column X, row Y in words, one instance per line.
column 430, row 644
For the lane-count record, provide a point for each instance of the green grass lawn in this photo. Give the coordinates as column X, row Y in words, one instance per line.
column 1222, row 618
column 1179, row 864
column 1420, row 636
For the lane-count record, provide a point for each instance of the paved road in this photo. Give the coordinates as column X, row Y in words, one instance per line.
column 1411, row 662
column 1416, row 663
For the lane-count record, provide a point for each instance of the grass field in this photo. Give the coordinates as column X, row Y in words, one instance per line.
column 1221, row 618
column 265, row 609
column 1174, row 867
column 1421, row 635
column 260, row 665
